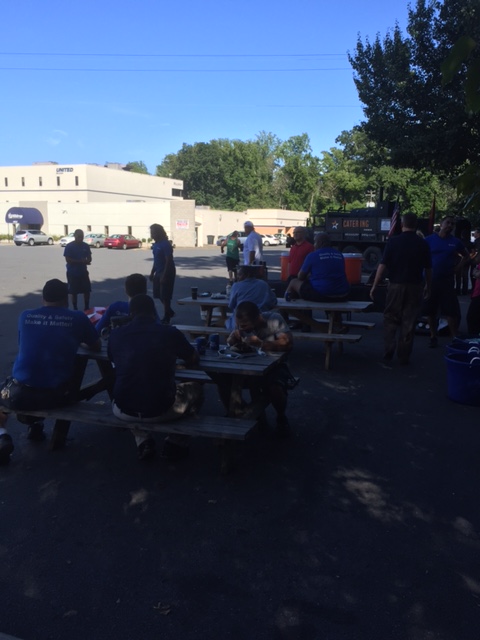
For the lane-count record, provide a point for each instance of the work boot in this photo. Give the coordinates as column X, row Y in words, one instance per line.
column 6, row 448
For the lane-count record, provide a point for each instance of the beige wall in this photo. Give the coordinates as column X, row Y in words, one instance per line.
column 221, row 223
column 82, row 183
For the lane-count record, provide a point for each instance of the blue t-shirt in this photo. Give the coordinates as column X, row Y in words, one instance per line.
column 144, row 355
column 444, row 255
column 77, row 251
column 115, row 310
column 326, row 267
column 49, row 338
column 161, row 250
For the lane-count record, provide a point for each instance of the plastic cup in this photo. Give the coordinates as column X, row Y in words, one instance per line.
column 214, row 343
column 200, row 345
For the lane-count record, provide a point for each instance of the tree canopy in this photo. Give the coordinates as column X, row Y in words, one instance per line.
column 423, row 123
column 136, row 167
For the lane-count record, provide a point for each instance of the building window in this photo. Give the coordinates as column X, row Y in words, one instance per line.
column 6, row 182
column 76, row 181
column 40, row 182
column 105, row 230
column 58, row 181
column 89, row 227
column 177, row 193
column 65, row 229
column 129, row 231
column 23, row 182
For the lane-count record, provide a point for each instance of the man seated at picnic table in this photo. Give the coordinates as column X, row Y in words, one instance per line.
column 144, row 354
column 322, row 277
column 43, row 371
column 118, row 312
column 298, row 252
column 268, row 332
column 248, row 287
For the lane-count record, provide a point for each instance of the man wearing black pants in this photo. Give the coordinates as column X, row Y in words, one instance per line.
column 406, row 258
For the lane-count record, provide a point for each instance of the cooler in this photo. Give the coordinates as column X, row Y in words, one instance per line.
column 353, row 267
column 284, row 267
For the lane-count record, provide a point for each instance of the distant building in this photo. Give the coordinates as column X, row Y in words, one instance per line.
column 62, row 198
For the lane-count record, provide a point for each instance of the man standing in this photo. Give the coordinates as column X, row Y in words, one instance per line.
column 144, row 354
column 298, row 252
column 448, row 255
column 78, row 256
column 252, row 247
column 406, row 258
column 43, row 371
column 232, row 244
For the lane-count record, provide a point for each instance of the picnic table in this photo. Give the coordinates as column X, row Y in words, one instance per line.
column 240, row 421
column 321, row 330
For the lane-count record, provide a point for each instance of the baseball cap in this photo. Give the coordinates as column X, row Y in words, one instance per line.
column 248, row 224
column 55, row 291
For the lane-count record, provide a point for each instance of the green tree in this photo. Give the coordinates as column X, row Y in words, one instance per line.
column 296, row 181
column 136, row 167
column 399, row 82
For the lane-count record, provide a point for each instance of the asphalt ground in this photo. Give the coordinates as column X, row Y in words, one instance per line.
column 364, row 525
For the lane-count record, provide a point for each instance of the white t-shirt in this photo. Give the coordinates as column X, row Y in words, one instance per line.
column 253, row 242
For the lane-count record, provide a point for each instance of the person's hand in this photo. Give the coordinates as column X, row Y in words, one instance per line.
column 372, row 290
column 253, row 341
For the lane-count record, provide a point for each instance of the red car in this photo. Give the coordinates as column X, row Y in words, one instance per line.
column 125, row 241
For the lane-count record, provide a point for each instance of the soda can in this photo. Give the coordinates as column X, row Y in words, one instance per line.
column 200, row 345
column 214, row 342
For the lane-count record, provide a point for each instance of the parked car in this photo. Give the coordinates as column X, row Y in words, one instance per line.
column 66, row 239
column 31, row 237
column 282, row 238
column 268, row 240
column 96, row 240
column 220, row 239
column 125, row 241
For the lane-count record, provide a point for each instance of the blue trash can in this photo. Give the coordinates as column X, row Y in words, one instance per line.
column 463, row 346
column 463, row 378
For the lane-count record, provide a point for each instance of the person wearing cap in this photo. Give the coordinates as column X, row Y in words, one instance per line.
column 252, row 246
column 43, row 370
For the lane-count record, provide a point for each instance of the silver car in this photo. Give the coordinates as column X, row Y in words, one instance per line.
column 31, row 237
column 96, row 240
column 67, row 239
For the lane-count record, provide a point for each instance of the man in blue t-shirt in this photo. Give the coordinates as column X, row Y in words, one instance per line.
column 78, row 256
column 144, row 354
column 448, row 255
column 322, row 277
column 44, row 368
column 119, row 312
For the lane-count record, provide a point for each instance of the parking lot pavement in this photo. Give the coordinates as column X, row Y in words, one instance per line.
column 362, row 526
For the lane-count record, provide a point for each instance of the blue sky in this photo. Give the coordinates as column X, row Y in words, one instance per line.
column 110, row 81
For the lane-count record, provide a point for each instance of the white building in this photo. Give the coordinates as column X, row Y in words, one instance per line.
column 109, row 200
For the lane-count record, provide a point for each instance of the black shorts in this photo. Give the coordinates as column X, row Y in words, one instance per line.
column 79, row 284
column 232, row 264
column 443, row 299
column 163, row 291
column 307, row 292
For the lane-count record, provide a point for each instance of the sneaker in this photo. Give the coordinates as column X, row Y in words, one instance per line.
column 35, row 432
column 283, row 427
column 146, row 449
column 6, row 448
column 174, row 452
column 433, row 343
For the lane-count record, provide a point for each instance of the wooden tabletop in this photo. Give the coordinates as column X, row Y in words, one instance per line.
column 342, row 307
